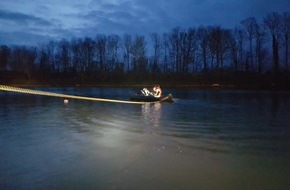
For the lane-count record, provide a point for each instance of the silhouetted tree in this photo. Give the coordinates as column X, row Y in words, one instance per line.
column 250, row 24
column 64, row 55
column 127, row 40
column 23, row 60
column 286, row 33
column 219, row 44
column 260, row 50
column 237, row 48
column 77, row 55
column 182, row 47
column 88, row 48
column 234, row 49
column 165, row 52
column 101, row 44
column 189, row 49
column 156, row 40
column 273, row 22
column 43, row 61
column 112, row 52
column 52, row 55
column 4, row 56
column 203, row 38
column 240, row 37
column 175, row 49
column 139, row 58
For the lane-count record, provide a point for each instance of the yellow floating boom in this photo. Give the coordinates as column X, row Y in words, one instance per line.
column 43, row 93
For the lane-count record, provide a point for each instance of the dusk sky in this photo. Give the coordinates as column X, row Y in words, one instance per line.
column 32, row 22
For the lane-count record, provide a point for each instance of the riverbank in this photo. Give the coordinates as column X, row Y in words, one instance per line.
column 223, row 80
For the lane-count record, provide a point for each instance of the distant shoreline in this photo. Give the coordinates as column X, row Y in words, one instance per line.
column 213, row 80
column 188, row 86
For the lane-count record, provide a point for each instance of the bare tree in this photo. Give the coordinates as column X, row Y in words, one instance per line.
column 23, row 59
column 127, row 50
column 175, row 49
column 82, row 51
column 52, row 55
column 203, row 38
column 240, row 36
column 43, row 60
column 101, row 44
column 286, row 33
column 156, row 40
column 273, row 22
column 139, row 59
column 64, row 55
column 237, row 49
column 4, row 56
column 112, row 51
column 189, row 47
column 88, row 49
column 219, row 44
column 250, row 25
column 165, row 52
column 260, row 50
column 77, row 57
column 234, row 49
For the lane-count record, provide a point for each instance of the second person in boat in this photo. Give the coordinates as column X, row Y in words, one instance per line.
column 157, row 92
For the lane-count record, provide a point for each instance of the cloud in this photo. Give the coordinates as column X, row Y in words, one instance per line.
column 22, row 19
column 72, row 18
column 22, row 38
column 24, row 29
column 128, row 17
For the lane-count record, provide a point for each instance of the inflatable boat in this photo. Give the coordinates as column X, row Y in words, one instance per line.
column 143, row 98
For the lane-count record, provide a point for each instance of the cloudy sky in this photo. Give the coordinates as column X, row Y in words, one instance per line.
column 31, row 22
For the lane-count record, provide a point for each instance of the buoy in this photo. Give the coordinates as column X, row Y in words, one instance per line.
column 65, row 101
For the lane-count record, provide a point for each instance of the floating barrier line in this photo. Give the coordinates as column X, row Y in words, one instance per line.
column 43, row 93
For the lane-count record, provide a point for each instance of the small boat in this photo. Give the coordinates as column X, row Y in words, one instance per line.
column 143, row 98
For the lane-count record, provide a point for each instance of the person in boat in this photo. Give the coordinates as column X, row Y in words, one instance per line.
column 157, row 92
column 146, row 92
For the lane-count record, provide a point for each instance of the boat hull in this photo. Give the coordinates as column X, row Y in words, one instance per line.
column 143, row 98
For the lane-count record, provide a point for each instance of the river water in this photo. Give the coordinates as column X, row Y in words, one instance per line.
column 206, row 139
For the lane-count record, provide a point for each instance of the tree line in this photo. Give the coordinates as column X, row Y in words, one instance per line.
column 251, row 47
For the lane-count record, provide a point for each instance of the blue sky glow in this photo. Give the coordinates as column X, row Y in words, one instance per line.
column 26, row 22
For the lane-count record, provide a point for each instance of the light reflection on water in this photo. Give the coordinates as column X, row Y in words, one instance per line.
column 206, row 140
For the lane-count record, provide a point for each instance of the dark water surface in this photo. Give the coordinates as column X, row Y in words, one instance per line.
column 207, row 139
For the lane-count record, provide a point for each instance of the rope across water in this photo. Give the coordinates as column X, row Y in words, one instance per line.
column 43, row 93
